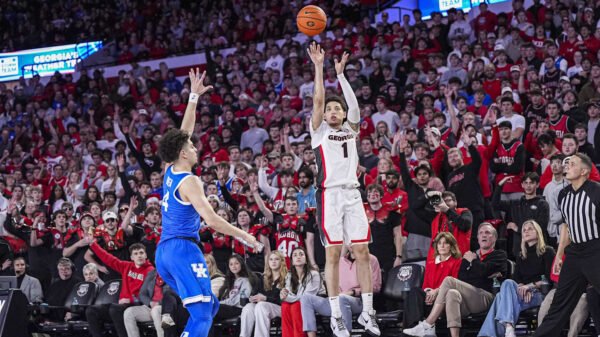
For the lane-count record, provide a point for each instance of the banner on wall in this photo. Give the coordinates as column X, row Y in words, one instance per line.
column 429, row 6
column 45, row 61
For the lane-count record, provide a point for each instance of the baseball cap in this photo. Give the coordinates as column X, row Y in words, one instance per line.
column 506, row 89
column 109, row 215
column 87, row 214
column 296, row 120
column 515, row 68
column 565, row 78
column 273, row 154
column 505, row 124
column 350, row 67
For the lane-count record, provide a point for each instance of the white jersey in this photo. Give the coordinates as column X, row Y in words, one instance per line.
column 336, row 155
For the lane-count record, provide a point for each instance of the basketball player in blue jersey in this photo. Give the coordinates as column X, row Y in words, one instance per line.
column 340, row 212
column 179, row 260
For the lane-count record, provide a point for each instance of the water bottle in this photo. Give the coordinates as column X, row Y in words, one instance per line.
column 75, row 304
column 544, row 285
column 496, row 286
column 243, row 298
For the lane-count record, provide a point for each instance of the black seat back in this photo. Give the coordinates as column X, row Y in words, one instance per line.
column 402, row 279
column 83, row 293
column 109, row 293
column 510, row 269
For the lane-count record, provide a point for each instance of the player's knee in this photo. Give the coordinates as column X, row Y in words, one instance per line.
column 360, row 251
column 333, row 252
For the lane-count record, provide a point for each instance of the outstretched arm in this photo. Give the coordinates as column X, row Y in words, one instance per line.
column 198, row 89
column 349, row 96
column 317, row 55
column 192, row 191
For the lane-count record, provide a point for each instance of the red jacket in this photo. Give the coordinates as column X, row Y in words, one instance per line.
column 440, row 224
column 132, row 276
column 435, row 273
column 547, row 176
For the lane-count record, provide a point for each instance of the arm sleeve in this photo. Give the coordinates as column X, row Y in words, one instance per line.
column 264, row 185
column 464, row 221
column 229, row 199
column 353, row 109
column 405, row 174
column 108, row 259
column 140, row 158
column 497, row 204
column 475, row 164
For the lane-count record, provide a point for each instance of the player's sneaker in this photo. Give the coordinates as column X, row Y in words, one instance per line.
column 423, row 329
column 167, row 321
column 338, row 328
column 369, row 322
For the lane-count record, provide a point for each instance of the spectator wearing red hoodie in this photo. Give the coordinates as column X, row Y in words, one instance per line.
column 133, row 274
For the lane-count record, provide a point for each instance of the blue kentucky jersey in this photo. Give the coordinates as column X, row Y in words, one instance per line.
column 179, row 218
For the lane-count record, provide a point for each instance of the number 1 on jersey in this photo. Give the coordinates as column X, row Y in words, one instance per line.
column 345, row 147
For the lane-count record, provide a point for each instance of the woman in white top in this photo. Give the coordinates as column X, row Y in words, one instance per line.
column 299, row 281
column 113, row 182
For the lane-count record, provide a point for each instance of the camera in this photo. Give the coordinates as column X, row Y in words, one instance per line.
column 435, row 200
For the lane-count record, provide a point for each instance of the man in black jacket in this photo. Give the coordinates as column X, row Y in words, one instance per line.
column 463, row 181
column 530, row 206
column 419, row 214
column 472, row 291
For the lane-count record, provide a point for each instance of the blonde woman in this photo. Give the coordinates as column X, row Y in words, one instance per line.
column 533, row 263
column 265, row 305
column 217, row 278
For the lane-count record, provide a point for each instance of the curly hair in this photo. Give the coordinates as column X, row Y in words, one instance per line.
column 171, row 144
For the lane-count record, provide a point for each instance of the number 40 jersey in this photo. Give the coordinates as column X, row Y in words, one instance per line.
column 336, row 155
column 179, row 218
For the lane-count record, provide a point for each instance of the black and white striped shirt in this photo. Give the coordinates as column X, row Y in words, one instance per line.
column 581, row 211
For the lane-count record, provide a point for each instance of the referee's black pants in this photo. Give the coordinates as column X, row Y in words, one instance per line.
column 579, row 270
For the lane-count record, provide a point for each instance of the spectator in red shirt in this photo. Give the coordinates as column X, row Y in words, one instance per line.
column 446, row 263
column 133, row 274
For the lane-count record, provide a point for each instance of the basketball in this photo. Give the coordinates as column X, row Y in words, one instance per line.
column 311, row 20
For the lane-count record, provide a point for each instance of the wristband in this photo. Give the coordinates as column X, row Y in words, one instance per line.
column 194, row 98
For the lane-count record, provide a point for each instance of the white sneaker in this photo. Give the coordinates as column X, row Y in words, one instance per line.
column 167, row 321
column 423, row 329
column 510, row 332
column 369, row 322
column 338, row 328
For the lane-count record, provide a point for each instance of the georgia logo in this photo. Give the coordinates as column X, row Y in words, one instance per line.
column 113, row 288
column 83, row 289
column 405, row 273
column 57, row 236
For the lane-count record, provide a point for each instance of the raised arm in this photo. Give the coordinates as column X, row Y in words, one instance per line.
column 349, row 96
column 192, row 191
column 198, row 89
column 317, row 56
column 261, row 204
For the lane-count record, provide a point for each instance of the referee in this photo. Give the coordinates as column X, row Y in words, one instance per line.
column 580, row 208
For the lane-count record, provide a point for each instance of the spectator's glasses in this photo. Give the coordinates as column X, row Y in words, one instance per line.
column 67, row 208
column 124, row 209
column 111, row 220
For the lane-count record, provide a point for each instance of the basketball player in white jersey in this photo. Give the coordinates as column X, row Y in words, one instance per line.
column 340, row 212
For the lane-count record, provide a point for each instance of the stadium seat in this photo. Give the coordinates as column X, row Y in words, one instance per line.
column 108, row 294
column 399, row 282
column 82, row 295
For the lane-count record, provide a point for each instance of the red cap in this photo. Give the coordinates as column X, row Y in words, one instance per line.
column 296, row 120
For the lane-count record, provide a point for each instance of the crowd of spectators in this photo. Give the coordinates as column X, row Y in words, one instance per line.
column 464, row 129
column 143, row 30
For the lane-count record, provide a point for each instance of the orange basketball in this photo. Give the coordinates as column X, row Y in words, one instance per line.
column 311, row 20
